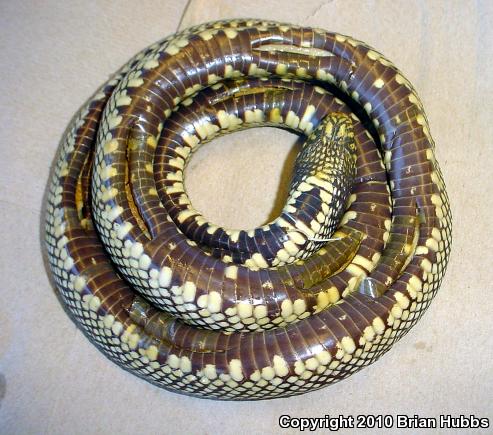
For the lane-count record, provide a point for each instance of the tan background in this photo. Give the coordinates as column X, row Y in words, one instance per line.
column 55, row 53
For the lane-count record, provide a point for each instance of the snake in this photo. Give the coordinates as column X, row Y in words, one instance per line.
column 324, row 289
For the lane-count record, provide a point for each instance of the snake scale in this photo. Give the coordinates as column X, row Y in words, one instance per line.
column 347, row 268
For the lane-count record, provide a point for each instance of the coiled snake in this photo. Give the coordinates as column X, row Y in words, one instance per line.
column 274, row 311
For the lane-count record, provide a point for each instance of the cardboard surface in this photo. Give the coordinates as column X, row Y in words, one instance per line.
column 54, row 54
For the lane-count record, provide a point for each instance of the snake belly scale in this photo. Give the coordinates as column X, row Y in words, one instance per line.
column 348, row 267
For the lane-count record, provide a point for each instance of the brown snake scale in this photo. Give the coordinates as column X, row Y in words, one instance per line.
column 347, row 268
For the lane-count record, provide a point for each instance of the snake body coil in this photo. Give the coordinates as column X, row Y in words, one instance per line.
column 346, row 269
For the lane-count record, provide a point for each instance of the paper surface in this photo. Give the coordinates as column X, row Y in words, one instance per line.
column 55, row 54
